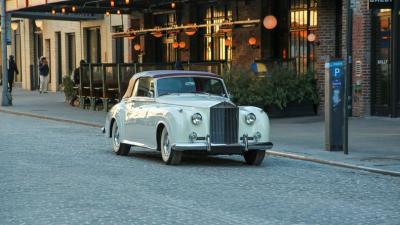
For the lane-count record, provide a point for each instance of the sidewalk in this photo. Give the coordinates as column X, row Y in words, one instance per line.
column 373, row 142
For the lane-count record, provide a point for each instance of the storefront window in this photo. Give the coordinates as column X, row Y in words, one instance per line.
column 303, row 21
column 214, row 39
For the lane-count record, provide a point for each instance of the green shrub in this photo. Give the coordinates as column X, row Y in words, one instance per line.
column 68, row 88
column 279, row 89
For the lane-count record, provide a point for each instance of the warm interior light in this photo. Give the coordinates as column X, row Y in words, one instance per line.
column 228, row 42
column 175, row 44
column 311, row 37
column 137, row 47
column 14, row 25
column 270, row 22
column 73, row 8
column 252, row 41
column 39, row 23
column 107, row 13
column 63, row 10
column 182, row 44
column 112, row 3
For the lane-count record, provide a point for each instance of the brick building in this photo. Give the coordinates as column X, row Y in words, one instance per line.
column 375, row 42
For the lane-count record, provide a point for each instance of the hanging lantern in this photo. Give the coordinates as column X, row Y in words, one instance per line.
column 226, row 27
column 119, row 12
column 157, row 33
column 73, row 9
column 175, row 45
column 63, row 10
column 53, row 12
column 270, row 22
column 127, row 2
column 228, row 42
column 137, row 47
column 132, row 36
column 14, row 25
column 311, row 37
column 112, row 3
column 182, row 44
column 252, row 41
column 39, row 23
column 190, row 31
column 173, row 5
column 107, row 13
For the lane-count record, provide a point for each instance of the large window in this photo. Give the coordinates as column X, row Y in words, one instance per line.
column 93, row 45
column 214, row 39
column 303, row 21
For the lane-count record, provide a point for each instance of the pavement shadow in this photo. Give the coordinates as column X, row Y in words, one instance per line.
column 190, row 159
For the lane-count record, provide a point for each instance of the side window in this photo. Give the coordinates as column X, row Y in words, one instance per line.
column 144, row 87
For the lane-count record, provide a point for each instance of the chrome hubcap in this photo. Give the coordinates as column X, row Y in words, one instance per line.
column 116, row 137
column 166, row 147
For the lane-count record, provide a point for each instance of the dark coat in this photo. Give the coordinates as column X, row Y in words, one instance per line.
column 44, row 69
column 12, row 69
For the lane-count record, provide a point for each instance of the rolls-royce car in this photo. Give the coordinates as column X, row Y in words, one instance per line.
column 174, row 111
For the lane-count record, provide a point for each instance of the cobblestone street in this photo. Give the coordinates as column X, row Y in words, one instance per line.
column 60, row 173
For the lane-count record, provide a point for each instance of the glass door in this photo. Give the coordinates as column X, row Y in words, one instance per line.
column 381, row 63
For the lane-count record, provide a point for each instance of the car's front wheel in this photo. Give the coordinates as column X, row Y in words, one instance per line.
column 254, row 157
column 169, row 156
column 118, row 147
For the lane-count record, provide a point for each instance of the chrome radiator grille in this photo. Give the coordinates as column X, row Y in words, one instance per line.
column 224, row 123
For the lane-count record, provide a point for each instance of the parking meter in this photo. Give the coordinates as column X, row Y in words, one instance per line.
column 334, row 103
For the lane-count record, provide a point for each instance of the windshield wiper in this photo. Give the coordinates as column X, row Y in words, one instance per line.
column 168, row 93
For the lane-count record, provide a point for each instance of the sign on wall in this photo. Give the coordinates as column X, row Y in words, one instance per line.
column 380, row 4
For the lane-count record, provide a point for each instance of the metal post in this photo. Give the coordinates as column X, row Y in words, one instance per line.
column 5, row 95
column 395, row 57
column 349, row 37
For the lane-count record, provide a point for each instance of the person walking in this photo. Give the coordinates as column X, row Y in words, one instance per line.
column 44, row 74
column 12, row 69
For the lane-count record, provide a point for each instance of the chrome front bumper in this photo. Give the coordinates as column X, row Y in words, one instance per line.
column 223, row 148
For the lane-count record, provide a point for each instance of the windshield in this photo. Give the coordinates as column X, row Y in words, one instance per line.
column 202, row 85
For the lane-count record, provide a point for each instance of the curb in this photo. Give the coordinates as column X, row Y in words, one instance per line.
column 51, row 118
column 333, row 163
column 269, row 152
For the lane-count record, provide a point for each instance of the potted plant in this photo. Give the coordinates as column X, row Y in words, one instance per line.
column 68, row 87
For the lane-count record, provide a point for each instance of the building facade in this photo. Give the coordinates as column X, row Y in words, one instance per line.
column 307, row 34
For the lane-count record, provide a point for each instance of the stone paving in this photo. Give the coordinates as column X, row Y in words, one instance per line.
column 60, row 173
column 373, row 142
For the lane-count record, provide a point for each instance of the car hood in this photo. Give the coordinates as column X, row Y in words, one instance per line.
column 192, row 100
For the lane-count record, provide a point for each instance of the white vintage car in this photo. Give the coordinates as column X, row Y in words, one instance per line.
column 175, row 111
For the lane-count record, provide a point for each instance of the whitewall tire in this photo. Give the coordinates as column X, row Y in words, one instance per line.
column 118, row 147
column 169, row 156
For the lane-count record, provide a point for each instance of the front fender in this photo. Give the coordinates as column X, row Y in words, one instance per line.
column 261, row 125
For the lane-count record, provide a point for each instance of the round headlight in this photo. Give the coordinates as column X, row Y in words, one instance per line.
column 250, row 118
column 197, row 118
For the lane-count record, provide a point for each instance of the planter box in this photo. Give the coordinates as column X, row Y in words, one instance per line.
column 293, row 109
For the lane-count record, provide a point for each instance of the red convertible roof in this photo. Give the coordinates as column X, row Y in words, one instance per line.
column 166, row 73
